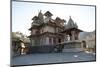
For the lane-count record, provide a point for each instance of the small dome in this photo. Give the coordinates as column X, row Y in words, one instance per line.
column 35, row 18
column 48, row 14
column 57, row 19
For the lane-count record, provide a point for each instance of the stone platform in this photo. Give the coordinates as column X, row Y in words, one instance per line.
column 72, row 46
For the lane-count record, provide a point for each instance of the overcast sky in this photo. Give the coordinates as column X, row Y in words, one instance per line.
column 22, row 13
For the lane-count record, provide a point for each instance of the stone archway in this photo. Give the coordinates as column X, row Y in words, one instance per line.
column 84, row 45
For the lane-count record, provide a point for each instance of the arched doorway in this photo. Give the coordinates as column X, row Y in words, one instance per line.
column 84, row 44
column 59, row 40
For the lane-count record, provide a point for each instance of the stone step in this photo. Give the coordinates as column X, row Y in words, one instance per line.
column 72, row 50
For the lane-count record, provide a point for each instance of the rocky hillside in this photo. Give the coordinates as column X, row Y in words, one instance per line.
column 87, row 35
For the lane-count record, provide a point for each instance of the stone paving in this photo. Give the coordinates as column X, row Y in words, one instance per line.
column 46, row 58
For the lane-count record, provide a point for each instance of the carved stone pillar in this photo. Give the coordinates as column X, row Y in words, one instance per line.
column 65, row 37
column 47, row 40
column 52, row 41
column 73, row 35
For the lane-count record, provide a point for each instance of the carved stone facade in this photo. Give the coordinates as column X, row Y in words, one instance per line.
column 48, row 31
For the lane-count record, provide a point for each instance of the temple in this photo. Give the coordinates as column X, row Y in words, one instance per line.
column 46, row 31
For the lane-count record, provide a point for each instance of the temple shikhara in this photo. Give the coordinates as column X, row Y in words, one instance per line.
column 46, row 31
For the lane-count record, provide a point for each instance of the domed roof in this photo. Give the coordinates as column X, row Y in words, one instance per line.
column 49, row 14
column 35, row 18
column 58, row 19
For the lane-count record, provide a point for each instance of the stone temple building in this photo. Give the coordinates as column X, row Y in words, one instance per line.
column 46, row 31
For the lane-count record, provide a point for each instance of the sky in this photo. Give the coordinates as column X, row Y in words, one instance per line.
column 23, row 12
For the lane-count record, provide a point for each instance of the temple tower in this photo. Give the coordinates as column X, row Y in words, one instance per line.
column 40, row 17
column 71, row 29
column 48, row 16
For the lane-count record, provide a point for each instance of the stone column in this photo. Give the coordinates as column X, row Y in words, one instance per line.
column 77, row 35
column 47, row 40
column 52, row 40
column 73, row 35
column 32, row 41
column 65, row 37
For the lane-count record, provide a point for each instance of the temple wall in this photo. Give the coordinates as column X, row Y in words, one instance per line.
column 49, row 29
column 47, row 19
column 41, row 30
column 72, row 47
column 33, row 42
column 47, row 41
column 33, row 31
column 90, row 43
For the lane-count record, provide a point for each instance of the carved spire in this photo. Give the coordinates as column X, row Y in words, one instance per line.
column 40, row 15
column 41, row 18
column 71, row 23
column 76, row 26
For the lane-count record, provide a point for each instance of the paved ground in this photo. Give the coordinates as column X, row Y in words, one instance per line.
column 52, row 58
